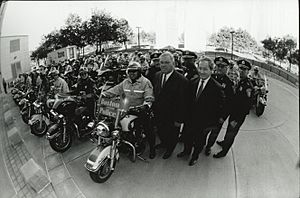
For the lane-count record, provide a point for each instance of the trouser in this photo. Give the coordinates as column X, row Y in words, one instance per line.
column 214, row 133
column 90, row 104
column 168, row 134
column 232, row 132
column 147, row 123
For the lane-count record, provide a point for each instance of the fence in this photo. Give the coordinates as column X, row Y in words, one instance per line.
column 276, row 70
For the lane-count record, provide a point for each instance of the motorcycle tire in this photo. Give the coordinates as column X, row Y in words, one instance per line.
column 259, row 108
column 57, row 144
column 37, row 130
column 104, row 172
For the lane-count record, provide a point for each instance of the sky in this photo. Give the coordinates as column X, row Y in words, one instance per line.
column 198, row 18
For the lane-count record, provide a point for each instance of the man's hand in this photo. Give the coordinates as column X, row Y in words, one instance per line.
column 233, row 123
column 177, row 124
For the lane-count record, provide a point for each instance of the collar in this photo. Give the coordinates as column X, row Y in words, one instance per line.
column 205, row 81
column 169, row 74
column 138, row 80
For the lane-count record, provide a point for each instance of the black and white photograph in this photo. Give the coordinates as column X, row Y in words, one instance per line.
column 149, row 99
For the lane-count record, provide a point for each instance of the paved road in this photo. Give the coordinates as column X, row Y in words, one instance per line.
column 262, row 162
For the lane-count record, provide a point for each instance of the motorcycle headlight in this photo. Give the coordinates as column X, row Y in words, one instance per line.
column 102, row 130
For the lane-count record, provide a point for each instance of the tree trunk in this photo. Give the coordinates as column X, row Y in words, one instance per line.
column 290, row 67
column 100, row 44
column 83, row 51
column 125, row 45
column 96, row 48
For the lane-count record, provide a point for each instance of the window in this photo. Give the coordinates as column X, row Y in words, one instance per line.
column 14, row 45
column 71, row 52
column 60, row 54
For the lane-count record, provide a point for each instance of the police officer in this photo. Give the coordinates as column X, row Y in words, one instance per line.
column 139, row 91
column 85, row 86
column 188, row 63
column 60, row 85
column 228, row 86
column 154, row 66
column 241, row 108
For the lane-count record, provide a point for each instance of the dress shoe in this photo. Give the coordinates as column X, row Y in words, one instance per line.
column 207, row 151
column 220, row 154
column 182, row 154
column 193, row 161
column 167, row 155
column 220, row 143
column 152, row 154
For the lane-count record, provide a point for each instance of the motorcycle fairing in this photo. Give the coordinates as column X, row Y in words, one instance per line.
column 96, row 157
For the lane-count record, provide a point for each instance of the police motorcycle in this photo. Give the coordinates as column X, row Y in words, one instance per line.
column 113, row 135
column 71, row 118
column 26, row 105
column 260, row 95
column 40, row 121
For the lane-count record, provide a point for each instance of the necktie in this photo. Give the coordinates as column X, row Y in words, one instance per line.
column 200, row 89
column 163, row 80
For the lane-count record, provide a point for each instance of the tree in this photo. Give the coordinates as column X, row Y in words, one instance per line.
column 103, row 28
column 281, row 50
column 242, row 40
column 123, row 32
column 291, row 44
column 293, row 58
column 270, row 44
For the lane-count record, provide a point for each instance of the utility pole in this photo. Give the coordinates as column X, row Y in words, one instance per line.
column 232, row 43
column 139, row 37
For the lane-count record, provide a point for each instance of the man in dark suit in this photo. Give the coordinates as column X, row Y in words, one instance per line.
column 205, row 111
column 170, row 88
column 228, row 87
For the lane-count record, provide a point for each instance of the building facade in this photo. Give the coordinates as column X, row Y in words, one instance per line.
column 15, row 57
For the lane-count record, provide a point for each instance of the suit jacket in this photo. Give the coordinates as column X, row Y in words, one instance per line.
column 170, row 101
column 207, row 109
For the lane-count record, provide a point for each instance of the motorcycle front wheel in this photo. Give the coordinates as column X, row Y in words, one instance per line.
column 259, row 108
column 39, row 129
column 58, row 144
column 104, row 172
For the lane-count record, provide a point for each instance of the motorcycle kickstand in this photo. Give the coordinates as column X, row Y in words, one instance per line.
column 142, row 159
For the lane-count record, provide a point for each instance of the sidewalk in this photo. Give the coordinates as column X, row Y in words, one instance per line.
column 62, row 184
column 15, row 157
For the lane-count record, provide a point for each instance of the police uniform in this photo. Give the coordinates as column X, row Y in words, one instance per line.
column 189, row 63
column 228, row 90
column 239, row 111
column 138, row 93
column 154, row 66
column 87, row 85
